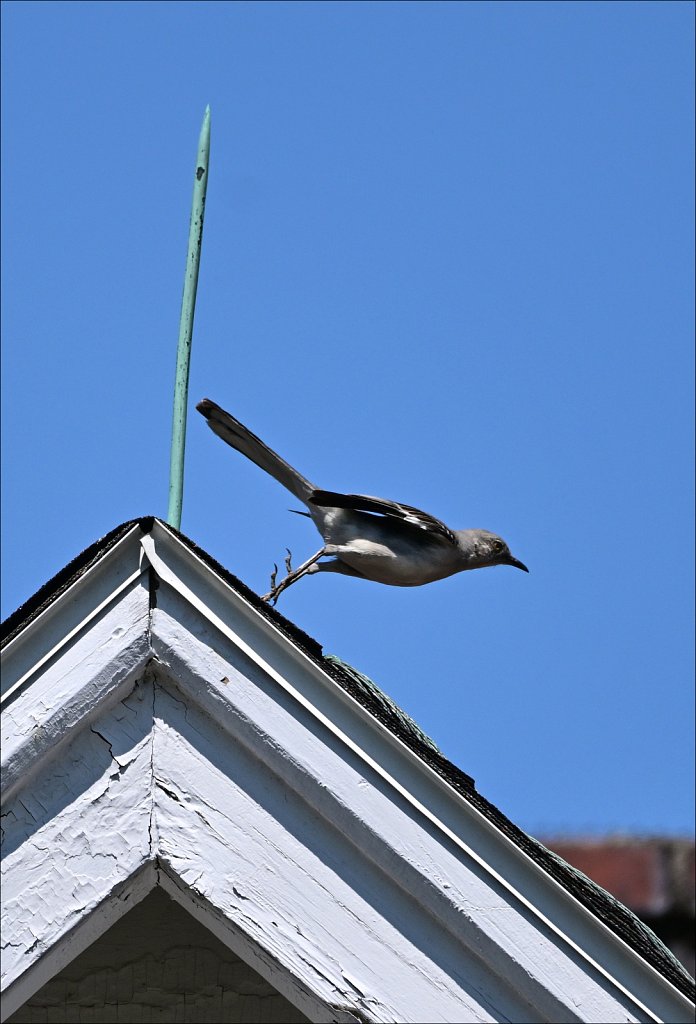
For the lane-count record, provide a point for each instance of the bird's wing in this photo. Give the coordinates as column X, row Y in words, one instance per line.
column 384, row 507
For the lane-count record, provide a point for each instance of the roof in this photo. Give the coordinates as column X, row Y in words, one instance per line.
column 366, row 693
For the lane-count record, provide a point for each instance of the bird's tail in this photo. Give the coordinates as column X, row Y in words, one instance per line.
column 239, row 437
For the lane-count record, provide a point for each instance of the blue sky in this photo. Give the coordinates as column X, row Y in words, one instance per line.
column 448, row 259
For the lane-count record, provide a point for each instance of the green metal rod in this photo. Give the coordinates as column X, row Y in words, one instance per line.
column 188, row 306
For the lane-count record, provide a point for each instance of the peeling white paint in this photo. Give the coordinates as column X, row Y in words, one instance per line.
column 155, row 748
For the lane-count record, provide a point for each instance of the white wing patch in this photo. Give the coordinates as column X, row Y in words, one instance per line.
column 383, row 506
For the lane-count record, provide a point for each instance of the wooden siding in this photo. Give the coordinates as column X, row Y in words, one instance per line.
column 158, row 965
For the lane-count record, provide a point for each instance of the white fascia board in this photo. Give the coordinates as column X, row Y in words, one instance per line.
column 88, row 929
column 74, row 835
column 240, row 835
column 556, row 909
column 81, row 678
column 471, row 920
column 84, row 842
column 559, row 918
column 54, row 627
column 155, row 779
column 293, row 988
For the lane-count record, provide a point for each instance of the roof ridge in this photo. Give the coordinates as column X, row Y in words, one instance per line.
column 617, row 917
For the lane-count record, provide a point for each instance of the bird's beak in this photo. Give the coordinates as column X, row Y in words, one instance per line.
column 517, row 564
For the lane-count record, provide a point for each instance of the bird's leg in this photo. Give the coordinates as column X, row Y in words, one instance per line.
column 292, row 577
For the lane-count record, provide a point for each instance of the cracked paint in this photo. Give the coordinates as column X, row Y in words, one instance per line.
column 72, row 806
column 203, row 771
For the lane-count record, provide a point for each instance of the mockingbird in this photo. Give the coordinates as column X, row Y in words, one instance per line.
column 372, row 538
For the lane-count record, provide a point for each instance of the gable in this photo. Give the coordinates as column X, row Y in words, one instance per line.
column 162, row 729
column 158, row 963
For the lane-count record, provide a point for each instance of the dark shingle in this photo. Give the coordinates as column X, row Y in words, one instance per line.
column 608, row 909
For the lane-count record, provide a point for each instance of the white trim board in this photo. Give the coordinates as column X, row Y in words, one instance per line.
column 227, row 680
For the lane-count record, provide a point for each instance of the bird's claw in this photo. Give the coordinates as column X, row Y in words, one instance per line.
column 293, row 575
column 272, row 596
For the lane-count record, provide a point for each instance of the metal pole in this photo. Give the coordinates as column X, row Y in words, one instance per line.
column 188, row 305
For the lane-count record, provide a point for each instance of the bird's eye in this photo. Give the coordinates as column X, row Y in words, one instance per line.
column 498, row 546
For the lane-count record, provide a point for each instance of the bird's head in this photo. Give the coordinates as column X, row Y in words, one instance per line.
column 481, row 548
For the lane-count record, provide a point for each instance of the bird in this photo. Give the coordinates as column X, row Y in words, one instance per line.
column 371, row 538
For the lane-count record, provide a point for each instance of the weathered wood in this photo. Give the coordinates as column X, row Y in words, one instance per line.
column 178, row 738
column 158, row 964
column 94, row 672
